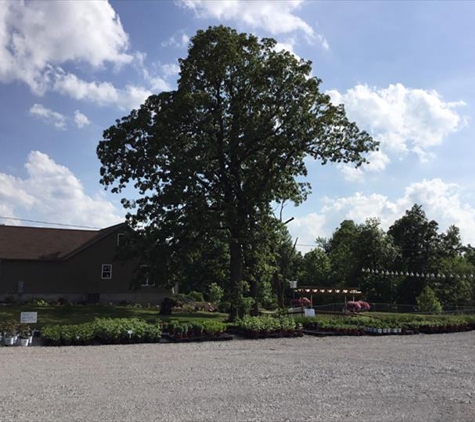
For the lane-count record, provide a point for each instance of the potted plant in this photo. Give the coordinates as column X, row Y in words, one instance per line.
column 9, row 332
column 178, row 332
column 24, row 333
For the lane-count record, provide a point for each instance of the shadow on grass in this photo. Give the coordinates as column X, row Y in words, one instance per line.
column 78, row 314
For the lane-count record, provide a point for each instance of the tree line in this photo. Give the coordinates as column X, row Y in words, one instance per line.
column 394, row 266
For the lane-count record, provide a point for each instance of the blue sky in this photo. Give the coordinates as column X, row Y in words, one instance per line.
column 404, row 70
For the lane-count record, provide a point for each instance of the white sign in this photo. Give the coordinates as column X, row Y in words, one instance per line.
column 29, row 317
column 310, row 313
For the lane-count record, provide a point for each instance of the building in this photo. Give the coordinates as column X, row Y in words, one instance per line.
column 77, row 265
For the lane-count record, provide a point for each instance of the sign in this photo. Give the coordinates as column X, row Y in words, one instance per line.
column 310, row 313
column 29, row 317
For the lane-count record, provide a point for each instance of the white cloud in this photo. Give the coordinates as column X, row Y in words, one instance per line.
column 156, row 83
column 159, row 84
column 402, row 119
column 49, row 116
column 307, row 229
column 179, row 40
column 287, row 45
column 442, row 202
column 30, row 45
column 275, row 17
column 80, row 119
column 101, row 93
column 55, row 195
column 170, row 69
column 377, row 162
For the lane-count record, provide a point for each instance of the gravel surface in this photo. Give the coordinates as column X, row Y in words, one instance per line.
column 394, row 378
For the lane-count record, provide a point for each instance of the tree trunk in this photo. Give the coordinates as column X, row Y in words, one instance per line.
column 236, row 278
column 254, row 295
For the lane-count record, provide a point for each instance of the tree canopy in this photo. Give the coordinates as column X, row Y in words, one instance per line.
column 209, row 158
column 410, row 257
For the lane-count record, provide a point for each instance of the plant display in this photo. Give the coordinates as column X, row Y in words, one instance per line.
column 195, row 330
column 266, row 326
column 103, row 331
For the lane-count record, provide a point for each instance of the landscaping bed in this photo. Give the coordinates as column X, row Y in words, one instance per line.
column 206, row 327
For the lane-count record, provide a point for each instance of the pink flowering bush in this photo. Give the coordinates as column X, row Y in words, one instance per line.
column 301, row 301
column 352, row 307
column 364, row 306
column 359, row 306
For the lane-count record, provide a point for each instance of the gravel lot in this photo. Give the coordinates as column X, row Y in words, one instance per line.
column 395, row 378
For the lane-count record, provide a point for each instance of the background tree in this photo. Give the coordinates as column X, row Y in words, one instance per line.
column 315, row 268
column 418, row 243
column 343, row 253
column 211, row 156
column 376, row 250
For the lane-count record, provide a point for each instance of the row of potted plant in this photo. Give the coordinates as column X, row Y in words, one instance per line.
column 448, row 325
column 403, row 324
column 267, row 326
column 204, row 330
column 102, row 331
column 14, row 333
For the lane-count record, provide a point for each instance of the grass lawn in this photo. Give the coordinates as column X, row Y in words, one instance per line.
column 77, row 314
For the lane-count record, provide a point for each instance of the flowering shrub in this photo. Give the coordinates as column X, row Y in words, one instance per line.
column 359, row 306
column 302, row 301
column 364, row 305
column 352, row 307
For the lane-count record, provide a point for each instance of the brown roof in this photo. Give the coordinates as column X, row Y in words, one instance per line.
column 37, row 243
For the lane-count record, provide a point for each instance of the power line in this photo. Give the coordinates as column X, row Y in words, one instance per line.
column 46, row 222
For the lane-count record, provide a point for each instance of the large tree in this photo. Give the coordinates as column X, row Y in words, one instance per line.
column 212, row 155
column 418, row 242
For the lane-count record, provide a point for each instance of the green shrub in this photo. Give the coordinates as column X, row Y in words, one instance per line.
column 427, row 301
column 213, row 328
column 38, row 302
column 197, row 328
column 51, row 335
column 215, row 292
column 187, row 308
column 196, row 296
column 224, row 307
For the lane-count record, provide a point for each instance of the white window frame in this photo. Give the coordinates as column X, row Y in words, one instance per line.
column 147, row 283
column 105, row 270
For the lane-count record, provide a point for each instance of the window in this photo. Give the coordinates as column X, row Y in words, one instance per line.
column 106, row 273
column 121, row 239
column 145, row 275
